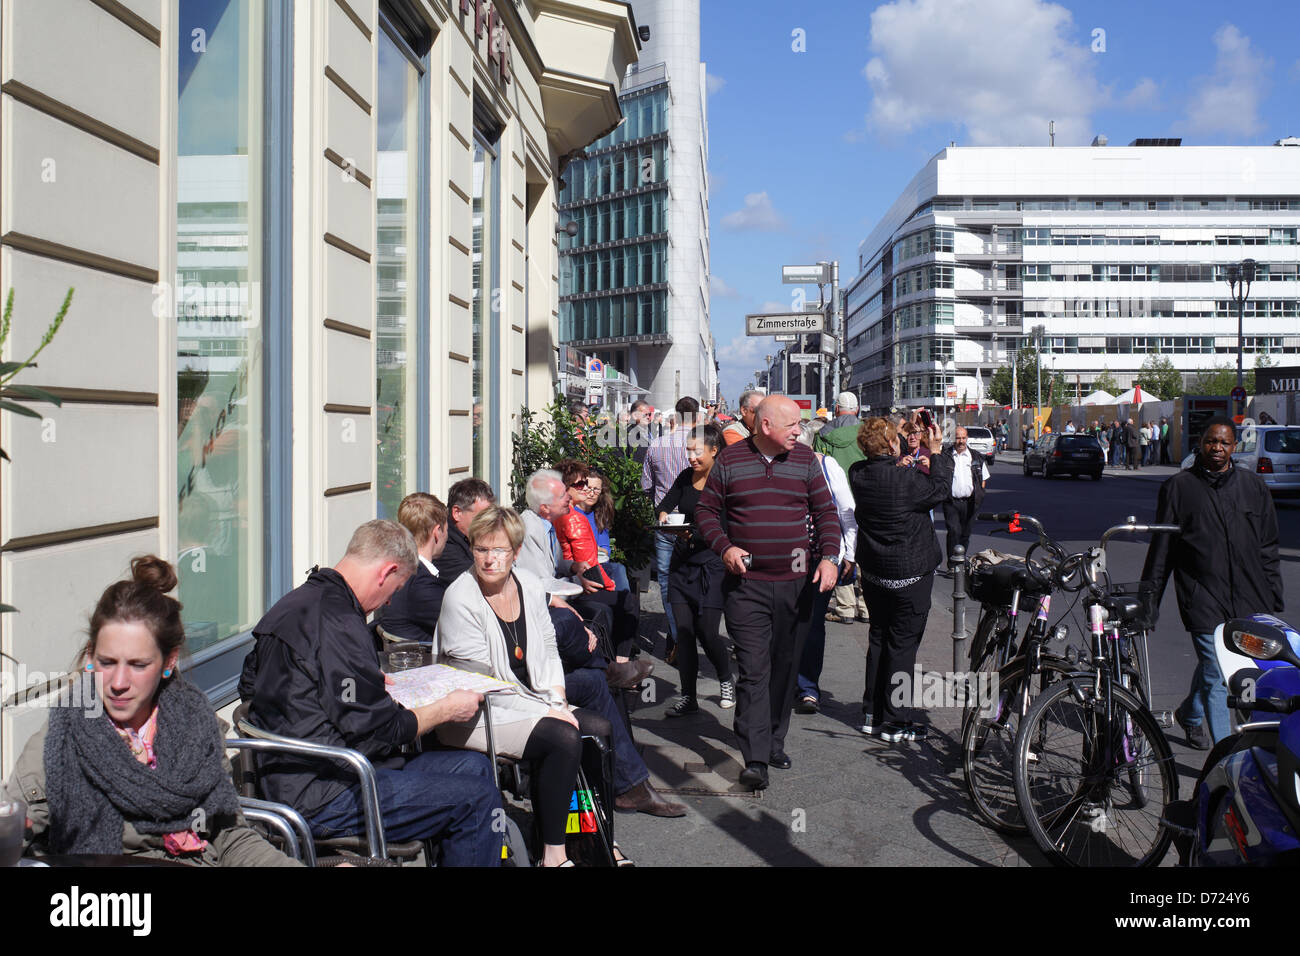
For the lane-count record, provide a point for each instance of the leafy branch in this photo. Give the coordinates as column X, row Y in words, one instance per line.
column 12, row 395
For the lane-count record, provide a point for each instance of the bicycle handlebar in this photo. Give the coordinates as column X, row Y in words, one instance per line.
column 1133, row 527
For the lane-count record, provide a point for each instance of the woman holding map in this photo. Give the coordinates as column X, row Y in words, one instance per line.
column 495, row 620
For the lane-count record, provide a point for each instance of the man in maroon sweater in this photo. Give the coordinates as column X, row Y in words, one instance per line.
column 754, row 513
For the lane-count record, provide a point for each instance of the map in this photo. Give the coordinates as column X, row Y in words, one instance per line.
column 424, row 685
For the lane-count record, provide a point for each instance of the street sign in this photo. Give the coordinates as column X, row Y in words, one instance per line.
column 803, row 358
column 595, row 369
column 774, row 323
column 595, row 392
column 785, row 338
column 952, row 392
column 817, row 274
column 1238, row 394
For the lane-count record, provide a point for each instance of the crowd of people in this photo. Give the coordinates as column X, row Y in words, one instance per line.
column 770, row 524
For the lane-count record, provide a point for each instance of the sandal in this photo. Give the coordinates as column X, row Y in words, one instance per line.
column 620, row 859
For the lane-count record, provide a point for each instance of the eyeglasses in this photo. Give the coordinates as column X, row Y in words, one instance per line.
column 498, row 553
column 580, row 484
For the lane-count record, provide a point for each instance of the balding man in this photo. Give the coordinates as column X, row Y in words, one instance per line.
column 969, row 474
column 754, row 513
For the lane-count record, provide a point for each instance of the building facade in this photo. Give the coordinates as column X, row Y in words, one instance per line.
column 1119, row 252
column 314, row 252
column 634, row 278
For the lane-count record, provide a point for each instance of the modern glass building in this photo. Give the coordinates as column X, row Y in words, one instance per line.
column 1119, row 252
column 634, row 279
column 314, row 252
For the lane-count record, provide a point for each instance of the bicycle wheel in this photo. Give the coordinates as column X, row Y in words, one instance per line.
column 1076, row 770
column 989, row 737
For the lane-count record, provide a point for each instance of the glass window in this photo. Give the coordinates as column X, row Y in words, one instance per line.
column 483, row 314
column 220, row 357
column 396, row 186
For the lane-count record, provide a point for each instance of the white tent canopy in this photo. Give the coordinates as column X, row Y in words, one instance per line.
column 1136, row 395
column 1099, row 397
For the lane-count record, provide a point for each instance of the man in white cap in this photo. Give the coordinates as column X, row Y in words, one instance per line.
column 839, row 439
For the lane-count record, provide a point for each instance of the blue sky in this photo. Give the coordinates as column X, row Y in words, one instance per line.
column 808, row 149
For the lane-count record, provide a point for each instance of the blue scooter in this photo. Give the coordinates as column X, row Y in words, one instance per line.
column 1245, row 807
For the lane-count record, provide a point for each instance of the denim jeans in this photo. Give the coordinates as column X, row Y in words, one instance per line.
column 446, row 795
column 618, row 574
column 663, row 557
column 1207, row 700
column 587, row 687
column 814, row 648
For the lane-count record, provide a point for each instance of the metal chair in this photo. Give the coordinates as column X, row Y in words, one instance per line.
column 286, row 823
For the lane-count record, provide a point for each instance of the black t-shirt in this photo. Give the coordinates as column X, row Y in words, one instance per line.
column 516, row 634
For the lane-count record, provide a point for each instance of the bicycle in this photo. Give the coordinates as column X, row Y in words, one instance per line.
column 1091, row 759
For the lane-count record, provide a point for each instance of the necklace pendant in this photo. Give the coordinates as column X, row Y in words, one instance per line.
column 519, row 653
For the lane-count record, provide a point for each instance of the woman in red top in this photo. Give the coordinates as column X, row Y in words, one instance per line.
column 577, row 540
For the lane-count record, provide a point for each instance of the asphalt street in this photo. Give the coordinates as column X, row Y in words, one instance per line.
column 850, row 800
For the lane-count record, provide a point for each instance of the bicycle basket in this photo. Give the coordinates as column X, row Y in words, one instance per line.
column 993, row 581
column 1133, row 605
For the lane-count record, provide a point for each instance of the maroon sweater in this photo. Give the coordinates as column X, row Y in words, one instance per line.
column 764, row 509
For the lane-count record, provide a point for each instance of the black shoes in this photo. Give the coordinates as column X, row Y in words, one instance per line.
column 754, row 776
column 1197, row 738
column 807, row 704
column 780, row 760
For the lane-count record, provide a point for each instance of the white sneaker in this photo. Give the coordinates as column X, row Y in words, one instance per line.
column 728, row 694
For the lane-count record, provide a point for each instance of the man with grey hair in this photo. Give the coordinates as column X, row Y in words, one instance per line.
column 314, row 674
column 743, row 426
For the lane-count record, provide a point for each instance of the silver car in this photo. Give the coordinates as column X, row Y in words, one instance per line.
column 981, row 439
column 1271, row 451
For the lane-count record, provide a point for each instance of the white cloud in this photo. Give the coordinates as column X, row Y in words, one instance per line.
column 757, row 215
column 1227, row 101
column 743, row 350
column 718, row 288
column 1000, row 68
column 713, row 83
column 1145, row 95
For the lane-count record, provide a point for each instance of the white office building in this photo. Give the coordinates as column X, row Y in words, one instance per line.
column 1119, row 252
column 634, row 281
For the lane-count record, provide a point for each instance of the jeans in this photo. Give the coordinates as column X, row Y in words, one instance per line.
column 1207, row 700
column 446, row 795
column 586, row 687
column 814, row 648
column 663, row 558
column 618, row 574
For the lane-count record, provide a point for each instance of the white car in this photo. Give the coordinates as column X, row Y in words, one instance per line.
column 1270, row 451
column 981, row 439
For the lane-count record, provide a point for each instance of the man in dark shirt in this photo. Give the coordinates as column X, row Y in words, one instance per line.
column 313, row 674
column 412, row 613
column 756, row 505
column 465, row 499
column 1225, row 564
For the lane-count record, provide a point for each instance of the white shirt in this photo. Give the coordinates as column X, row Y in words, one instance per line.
column 962, row 486
column 429, row 564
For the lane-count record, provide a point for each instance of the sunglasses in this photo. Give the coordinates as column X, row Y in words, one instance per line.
column 580, row 484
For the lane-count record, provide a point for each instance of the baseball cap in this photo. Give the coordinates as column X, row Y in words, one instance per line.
column 846, row 400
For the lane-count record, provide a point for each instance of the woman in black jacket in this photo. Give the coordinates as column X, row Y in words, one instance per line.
column 897, row 553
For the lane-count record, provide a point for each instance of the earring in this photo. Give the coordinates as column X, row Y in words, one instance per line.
column 167, row 672
column 89, row 668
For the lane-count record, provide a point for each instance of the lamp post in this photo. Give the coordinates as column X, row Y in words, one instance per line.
column 948, row 367
column 1038, row 331
column 1240, row 276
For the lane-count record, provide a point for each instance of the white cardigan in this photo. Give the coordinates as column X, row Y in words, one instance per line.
column 468, row 634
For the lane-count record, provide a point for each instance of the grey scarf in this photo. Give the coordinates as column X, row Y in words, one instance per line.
column 94, row 784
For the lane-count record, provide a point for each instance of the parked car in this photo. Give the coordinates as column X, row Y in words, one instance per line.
column 981, row 439
column 1072, row 455
column 1271, row 451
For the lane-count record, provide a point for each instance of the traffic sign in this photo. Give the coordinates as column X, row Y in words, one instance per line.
column 817, row 274
column 804, row 358
column 774, row 323
column 785, row 338
column 595, row 369
column 1238, row 394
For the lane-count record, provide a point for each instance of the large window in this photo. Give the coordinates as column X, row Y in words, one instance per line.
column 220, row 329
column 397, row 186
column 485, row 305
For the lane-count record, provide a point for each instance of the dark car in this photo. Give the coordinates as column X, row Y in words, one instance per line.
column 1072, row 455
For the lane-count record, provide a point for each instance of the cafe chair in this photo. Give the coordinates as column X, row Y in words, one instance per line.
column 284, row 822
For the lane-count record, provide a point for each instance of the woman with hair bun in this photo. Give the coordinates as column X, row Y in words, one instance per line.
column 136, row 764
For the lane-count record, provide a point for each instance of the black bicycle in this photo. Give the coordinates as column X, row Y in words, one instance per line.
column 1093, row 770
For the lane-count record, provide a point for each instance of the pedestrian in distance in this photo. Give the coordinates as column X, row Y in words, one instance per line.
column 754, row 513
column 969, row 474
column 665, row 459
column 1225, row 564
column 1133, row 441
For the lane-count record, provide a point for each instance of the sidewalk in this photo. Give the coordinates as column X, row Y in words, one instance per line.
column 849, row 800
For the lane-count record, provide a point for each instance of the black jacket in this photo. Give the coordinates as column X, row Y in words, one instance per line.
column 977, row 462
column 412, row 613
column 1225, row 563
column 896, row 538
column 456, row 557
column 314, row 674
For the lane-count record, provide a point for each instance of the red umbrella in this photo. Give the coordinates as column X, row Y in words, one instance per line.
column 1137, row 394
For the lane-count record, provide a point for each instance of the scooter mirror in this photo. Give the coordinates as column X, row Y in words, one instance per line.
column 1263, row 640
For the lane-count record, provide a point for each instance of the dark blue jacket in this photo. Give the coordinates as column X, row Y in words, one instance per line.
column 412, row 613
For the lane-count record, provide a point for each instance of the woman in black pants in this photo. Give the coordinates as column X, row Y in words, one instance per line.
column 897, row 554
column 695, row 579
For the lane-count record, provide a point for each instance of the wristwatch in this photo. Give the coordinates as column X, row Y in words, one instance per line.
column 835, row 560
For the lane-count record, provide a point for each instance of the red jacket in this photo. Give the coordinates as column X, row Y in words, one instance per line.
column 577, row 543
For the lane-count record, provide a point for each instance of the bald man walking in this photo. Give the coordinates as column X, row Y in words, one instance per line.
column 754, row 513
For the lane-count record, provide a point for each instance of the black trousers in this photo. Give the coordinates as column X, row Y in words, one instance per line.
column 957, row 515
column 619, row 612
column 897, row 625
column 768, row 622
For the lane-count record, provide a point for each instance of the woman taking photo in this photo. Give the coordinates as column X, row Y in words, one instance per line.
column 695, row 579
column 142, row 770
column 495, row 621
column 897, row 553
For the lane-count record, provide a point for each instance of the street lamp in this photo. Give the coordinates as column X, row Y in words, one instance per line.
column 948, row 367
column 1240, row 276
column 1039, row 331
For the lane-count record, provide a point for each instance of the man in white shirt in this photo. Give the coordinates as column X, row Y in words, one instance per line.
column 969, row 474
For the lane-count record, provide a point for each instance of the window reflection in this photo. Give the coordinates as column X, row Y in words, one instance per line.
column 484, row 306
